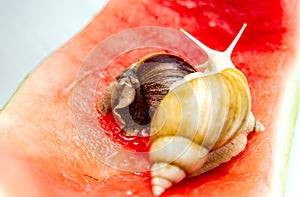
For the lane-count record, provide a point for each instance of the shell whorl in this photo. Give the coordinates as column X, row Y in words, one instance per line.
column 198, row 107
column 157, row 72
column 174, row 157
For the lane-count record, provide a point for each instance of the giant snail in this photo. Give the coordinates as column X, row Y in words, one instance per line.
column 196, row 120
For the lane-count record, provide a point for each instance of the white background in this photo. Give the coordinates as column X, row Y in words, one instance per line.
column 30, row 30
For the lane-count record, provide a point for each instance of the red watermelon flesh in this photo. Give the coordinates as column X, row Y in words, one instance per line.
column 40, row 148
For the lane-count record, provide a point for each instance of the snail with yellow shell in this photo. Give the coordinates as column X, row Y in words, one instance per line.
column 196, row 120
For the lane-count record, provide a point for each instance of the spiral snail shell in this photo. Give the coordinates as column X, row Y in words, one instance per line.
column 197, row 120
column 202, row 115
column 140, row 88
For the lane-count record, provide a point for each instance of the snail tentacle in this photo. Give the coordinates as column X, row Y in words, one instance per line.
column 217, row 61
column 229, row 50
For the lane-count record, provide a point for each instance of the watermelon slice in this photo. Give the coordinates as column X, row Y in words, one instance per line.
column 42, row 154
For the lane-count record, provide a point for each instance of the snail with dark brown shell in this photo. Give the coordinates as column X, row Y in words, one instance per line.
column 140, row 88
column 197, row 120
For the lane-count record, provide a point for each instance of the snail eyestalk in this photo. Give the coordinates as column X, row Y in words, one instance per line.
column 229, row 50
column 205, row 48
column 217, row 61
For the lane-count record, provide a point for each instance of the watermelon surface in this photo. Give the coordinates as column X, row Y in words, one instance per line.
column 42, row 154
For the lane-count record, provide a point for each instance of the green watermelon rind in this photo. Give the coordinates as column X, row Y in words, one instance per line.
column 15, row 92
column 285, row 126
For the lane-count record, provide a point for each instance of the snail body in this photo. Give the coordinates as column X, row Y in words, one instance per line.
column 201, row 114
column 196, row 121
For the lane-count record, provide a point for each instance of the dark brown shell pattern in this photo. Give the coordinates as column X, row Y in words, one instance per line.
column 138, row 90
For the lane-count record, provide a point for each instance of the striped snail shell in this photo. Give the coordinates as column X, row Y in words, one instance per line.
column 200, row 115
column 136, row 94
